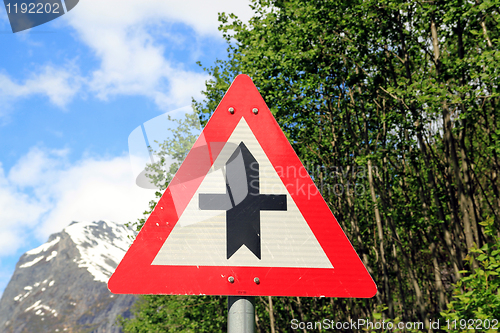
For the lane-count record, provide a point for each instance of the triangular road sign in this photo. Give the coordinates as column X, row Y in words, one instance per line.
column 242, row 217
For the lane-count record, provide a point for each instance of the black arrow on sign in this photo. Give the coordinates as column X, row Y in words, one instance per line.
column 242, row 202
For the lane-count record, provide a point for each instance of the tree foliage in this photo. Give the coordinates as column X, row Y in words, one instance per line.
column 159, row 313
column 477, row 293
column 393, row 106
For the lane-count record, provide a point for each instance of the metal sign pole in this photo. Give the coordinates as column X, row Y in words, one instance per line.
column 241, row 314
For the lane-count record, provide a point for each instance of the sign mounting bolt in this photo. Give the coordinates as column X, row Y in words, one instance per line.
column 255, row 110
column 230, row 279
column 231, row 110
column 256, row 280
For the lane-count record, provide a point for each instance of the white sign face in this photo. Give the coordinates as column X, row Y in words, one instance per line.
column 201, row 236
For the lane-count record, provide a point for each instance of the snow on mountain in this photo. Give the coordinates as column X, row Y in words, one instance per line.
column 61, row 285
column 102, row 246
column 44, row 247
column 100, row 251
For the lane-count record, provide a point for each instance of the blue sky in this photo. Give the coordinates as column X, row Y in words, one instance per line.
column 71, row 92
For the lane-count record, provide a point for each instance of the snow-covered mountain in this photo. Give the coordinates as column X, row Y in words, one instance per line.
column 61, row 285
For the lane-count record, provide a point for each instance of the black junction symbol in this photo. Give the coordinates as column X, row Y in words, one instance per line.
column 242, row 202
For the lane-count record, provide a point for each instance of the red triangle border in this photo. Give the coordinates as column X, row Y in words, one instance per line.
column 136, row 275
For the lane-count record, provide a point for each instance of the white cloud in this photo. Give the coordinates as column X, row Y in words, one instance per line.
column 130, row 38
column 59, row 84
column 95, row 189
column 43, row 193
column 132, row 65
column 96, row 15
column 32, row 169
column 125, row 35
column 19, row 212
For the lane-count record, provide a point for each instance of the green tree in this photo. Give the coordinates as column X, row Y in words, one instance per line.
column 476, row 296
column 400, row 101
column 399, row 98
column 161, row 313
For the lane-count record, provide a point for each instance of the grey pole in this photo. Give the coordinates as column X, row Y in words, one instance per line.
column 241, row 314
